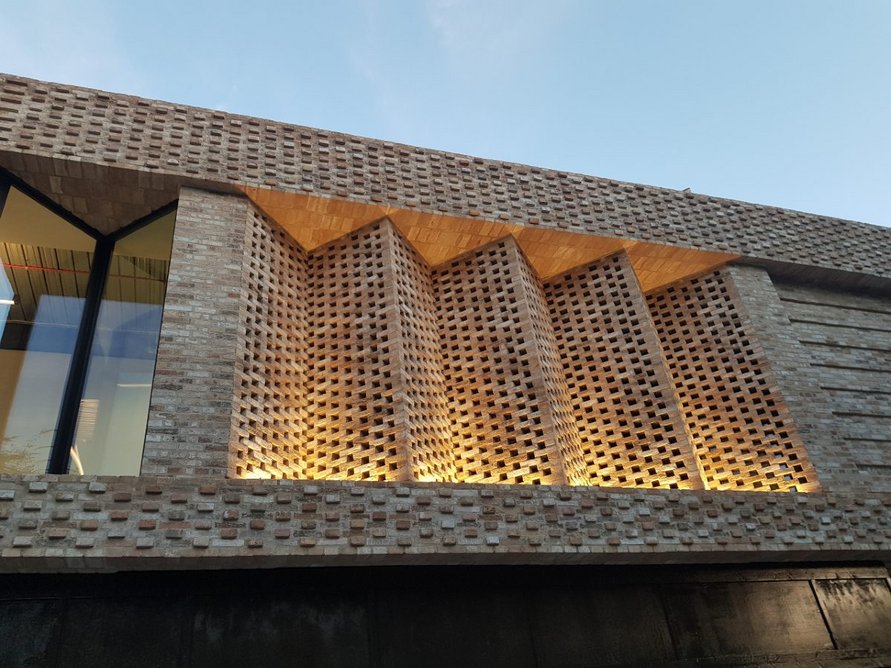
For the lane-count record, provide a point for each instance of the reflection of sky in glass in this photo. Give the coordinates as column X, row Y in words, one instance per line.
column 116, row 399
column 5, row 287
column 6, row 293
column 41, row 379
column 128, row 329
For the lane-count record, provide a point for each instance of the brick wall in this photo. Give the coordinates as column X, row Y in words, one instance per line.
column 175, row 144
column 50, row 523
column 623, row 402
column 739, row 423
column 193, row 393
column 846, row 342
column 358, row 360
column 766, row 320
column 271, row 377
column 508, row 403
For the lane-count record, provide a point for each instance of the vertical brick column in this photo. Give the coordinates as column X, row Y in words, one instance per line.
column 624, row 407
column 740, row 425
column 766, row 319
column 191, row 407
column 508, row 404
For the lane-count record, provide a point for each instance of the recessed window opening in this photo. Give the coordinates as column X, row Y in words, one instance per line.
column 80, row 316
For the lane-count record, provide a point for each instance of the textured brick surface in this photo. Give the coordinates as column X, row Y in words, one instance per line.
column 508, row 401
column 271, row 372
column 741, row 429
column 765, row 319
column 623, row 401
column 370, row 358
column 846, row 343
column 357, row 360
column 171, row 143
column 194, row 388
column 160, row 523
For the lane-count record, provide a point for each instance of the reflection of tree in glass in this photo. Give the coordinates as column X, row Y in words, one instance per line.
column 20, row 459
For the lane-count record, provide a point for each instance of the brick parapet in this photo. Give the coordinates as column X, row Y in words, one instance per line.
column 68, row 523
column 199, row 146
column 193, row 393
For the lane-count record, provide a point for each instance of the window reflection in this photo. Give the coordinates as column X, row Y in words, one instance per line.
column 46, row 266
column 114, row 409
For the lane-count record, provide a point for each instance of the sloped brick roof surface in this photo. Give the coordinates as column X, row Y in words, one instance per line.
column 71, row 123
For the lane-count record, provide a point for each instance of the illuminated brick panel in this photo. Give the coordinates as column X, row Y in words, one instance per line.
column 500, row 359
column 422, row 379
column 269, row 422
column 623, row 401
column 739, row 425
column 353, row 375
column 360, row 362
column 374, row 388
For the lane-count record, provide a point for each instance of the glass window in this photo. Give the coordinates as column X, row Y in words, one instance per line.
column 114, row 410
column 46, row 267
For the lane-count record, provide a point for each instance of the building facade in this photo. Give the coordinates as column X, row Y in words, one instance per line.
column 233, row 345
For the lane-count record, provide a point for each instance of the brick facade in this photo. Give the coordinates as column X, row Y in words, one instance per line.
column 193, row 393
column 60, row 523
column 87, row 131
column 359, row 370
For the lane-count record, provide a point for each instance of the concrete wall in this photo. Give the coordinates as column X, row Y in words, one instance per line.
column 494, row 616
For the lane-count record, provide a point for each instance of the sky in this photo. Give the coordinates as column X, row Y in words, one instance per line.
column 781, row 102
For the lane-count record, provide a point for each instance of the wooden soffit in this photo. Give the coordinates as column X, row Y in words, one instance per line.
column 314, row 221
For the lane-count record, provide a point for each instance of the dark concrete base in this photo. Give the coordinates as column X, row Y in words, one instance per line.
column 451, row 616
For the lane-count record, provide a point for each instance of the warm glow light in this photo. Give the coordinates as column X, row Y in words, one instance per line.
column 256, row 474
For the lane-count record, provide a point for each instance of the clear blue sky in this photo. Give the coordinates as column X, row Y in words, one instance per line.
column 784, row 102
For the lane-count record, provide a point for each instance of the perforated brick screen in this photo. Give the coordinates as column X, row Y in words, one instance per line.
column 270, row 417
column 622, row 399
column 361, row 362
column 738, row 422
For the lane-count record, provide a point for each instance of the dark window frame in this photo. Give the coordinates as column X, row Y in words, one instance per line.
column 66, row 422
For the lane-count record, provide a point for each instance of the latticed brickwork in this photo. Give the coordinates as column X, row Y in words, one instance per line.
column 739, row 425
column 623, row 404
column 548, row 367
column 359, row 362
column 353, row 375
column 424, row 405
column 270, row 416
column 503, row 426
